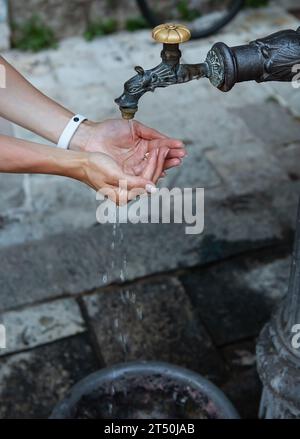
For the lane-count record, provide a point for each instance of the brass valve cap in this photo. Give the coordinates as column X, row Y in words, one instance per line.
column 169, row 33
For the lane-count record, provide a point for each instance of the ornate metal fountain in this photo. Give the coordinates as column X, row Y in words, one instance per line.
column 267, row 59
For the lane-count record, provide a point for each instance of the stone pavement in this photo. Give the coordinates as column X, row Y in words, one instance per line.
column 72, row 302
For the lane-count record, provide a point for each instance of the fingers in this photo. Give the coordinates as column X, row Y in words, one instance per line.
column 147, row 132
column 162, row 154
column 138, row 185
column 165, row 143
column 129, row 186
column 177, row 153
column 149, row 171
column 171, row 163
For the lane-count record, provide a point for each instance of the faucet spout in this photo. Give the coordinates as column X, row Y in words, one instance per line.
column 165, row 74
column 168, row 72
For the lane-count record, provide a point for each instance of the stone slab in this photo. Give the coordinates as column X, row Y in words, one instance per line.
column 151, row 321
column 33, row 382
column 247, row 168
column 271, row 123
column 41, row 324
column 72, row 263
column 235, row 298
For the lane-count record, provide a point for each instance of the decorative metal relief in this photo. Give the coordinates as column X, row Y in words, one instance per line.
column 215, row 65
column 280, row 52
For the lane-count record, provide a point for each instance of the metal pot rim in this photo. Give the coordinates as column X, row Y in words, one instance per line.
column 180, row 374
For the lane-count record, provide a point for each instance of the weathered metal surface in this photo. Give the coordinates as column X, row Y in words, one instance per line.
column 278, row 356
column 267, row 59
column 168, row 72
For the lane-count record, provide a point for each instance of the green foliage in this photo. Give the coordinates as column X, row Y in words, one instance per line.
column 100, row 27
column 185, row 12
column 256, row 3
column 34, row 35
column 136, row 23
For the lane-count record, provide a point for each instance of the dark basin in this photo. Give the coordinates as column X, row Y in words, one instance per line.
column 145, row 390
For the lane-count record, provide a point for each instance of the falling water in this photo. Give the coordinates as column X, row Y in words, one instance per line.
column 127, row 297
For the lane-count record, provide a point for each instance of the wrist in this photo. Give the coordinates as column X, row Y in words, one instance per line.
column 66, row 163
column 82, row 136
column 74, row 165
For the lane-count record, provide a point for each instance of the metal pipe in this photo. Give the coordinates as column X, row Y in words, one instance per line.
column 268, row 59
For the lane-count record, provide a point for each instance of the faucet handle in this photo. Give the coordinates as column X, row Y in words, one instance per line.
column 169, row 33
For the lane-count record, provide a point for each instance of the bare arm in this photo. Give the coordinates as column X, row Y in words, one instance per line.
column 96, row 170
column 23, row 104
column 100, row 154
column 20, row 156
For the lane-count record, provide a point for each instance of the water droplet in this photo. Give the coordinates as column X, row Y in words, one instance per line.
column 139, row 312
column 112, row 390
column 123, row 297
column 122, row 275
column 183, row 400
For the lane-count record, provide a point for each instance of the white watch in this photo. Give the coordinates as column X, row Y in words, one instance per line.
column 70, row 130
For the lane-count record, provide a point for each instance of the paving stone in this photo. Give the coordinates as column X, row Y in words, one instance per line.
column 197, row 172
column 12, row 193
column 287, row 96
column 4, row 26
column 54, row 205
column 234, row 299
column 95, row 101
column 248, row 168
column 262, row 21
column 41, row 324
column 243, row 387
column 284, row 201
column 156, row 322
column 198, row 115
column 81, row 261
column 33, row 382
column 289, row 156
column 263, row 121
column 60, row 203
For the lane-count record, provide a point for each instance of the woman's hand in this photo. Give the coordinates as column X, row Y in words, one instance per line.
column 102, row 173
column 128, row 143
column 98, row 170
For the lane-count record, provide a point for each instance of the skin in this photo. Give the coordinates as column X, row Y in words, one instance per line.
column 100, row 155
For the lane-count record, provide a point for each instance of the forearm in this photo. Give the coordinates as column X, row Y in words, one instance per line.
column 23, row 104
column 19, row 156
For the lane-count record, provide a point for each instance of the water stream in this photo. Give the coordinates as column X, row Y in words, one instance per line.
column 129, row 307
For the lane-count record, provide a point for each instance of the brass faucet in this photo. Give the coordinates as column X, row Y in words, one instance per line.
column 168, row 72
column 274, row 58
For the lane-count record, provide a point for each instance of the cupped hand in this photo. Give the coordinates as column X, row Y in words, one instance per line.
column 129, row 143
column 102, row 173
